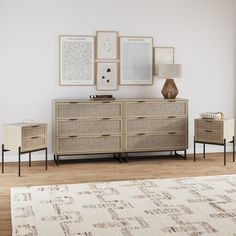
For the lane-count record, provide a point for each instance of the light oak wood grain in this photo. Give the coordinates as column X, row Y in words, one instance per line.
column 105, row 170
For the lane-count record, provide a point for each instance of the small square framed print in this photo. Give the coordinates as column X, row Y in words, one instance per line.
column 107, row 45
column 163, row 55
column 106, row 75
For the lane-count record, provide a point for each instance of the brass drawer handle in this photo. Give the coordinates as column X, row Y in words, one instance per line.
column 171, row 116
column 172, row 132
column 35, row 126
column 73, row 136
column 169, row 100
column 106, row 135
column 106, row 118
column 141, row 133
column 35, row 137
column 73, row 119
column 73, row 102
column 208, row 131
column 141, row 101
column 105, row 101
column 208, row 121
column 141, row 117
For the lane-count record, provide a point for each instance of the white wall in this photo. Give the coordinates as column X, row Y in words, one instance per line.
column 203, row 33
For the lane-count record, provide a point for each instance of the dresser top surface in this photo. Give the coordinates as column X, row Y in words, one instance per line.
column 25, row 124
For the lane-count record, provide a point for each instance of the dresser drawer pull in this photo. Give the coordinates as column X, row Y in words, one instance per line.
column 172, row 132
column 105, row 101
column 141, row 101
column 73, row 102
column 141, row 117
column 170, row 100
column 171, row 116
column 35, row 126
column 208, row 131
column 35, row 137
column 141, row 133
column 73, row 136
column 73, row 119
column 106, row 118
column 106, row 135
column 209, row 121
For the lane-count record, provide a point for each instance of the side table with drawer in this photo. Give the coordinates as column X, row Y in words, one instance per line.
column 24, row 138
column 216, row 132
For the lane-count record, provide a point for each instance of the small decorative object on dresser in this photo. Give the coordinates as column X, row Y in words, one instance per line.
column 25, row 138
column 216, row 132
column 168, row 72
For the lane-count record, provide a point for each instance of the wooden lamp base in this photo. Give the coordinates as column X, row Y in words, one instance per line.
column 169, row 90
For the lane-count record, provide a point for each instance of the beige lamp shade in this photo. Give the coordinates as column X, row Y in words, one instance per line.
column 166, row 71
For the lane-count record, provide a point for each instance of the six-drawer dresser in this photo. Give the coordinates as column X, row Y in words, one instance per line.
column 119, row 126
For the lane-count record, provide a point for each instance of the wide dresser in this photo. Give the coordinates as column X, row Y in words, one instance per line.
column 119, row 126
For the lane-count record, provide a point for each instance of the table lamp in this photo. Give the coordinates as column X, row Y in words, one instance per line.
column 168, row 72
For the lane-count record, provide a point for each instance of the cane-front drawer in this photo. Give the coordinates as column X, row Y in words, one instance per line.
column 170, row 141
column 88, row 127
column 34, row 143
column 148, row 108
column 100, row 144
column 35, row 130
column 88, row 110
column 146, row 125
column 207, row 124
column 209, row 136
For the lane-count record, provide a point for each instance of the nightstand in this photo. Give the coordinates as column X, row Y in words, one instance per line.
column 24, row 138
column 216, row 132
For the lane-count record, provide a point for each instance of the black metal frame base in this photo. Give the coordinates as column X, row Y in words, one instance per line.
column 121, row 156
column 221, row 144
column 19, row 157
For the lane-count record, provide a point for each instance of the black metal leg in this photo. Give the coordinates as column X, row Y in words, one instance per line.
column 233, row 149
column 19, row 153
column 29, row 159
column 185, row 154
column 194, row 151
column 2, row 158
column 46, row 158
column 204, row 150
column 224, row 152
column 57, row 160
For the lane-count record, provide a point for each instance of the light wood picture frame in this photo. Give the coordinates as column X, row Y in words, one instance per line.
column 76, row 60
column 136, row 60
column 107, row 45
column 163, row 55
column 107, row 73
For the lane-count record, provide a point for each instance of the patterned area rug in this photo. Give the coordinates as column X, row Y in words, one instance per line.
column 184, row 206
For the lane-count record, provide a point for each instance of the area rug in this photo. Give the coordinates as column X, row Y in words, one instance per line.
column 183, row 206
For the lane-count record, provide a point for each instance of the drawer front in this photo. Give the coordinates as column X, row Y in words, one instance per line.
column 32, row 131
column 67, row 128
column 135, row 109
column 156, row 125
column 209, row 124
column 209, row 136
column 89, row 144
column 88, row 110
column 157, row 142
column 34, row 143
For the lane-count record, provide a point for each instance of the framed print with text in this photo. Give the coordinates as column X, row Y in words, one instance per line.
column 76, row 60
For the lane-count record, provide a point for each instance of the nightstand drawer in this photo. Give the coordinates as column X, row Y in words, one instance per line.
column 34, row 143
column 209, row 136
column 209, row 124
column 32, row 131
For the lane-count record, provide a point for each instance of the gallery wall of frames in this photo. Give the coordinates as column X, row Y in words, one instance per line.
column 107, row 60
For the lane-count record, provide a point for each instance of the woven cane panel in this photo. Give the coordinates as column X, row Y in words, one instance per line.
column 156, row 141
column 31, row 144
column 154, row 126
column 68, row 145
column 210, row 125
column 156, row 109
column 209, row 136
column 34, row 131
column 66, row 128
column 79, row 110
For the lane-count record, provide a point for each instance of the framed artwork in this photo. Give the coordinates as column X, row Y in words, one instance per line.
column 163, row 55
column 107, row 45
column 106, row 75
column 76, row 60
column 136, row 60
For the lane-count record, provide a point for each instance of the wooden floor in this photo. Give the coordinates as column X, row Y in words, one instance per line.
column 105, row 170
